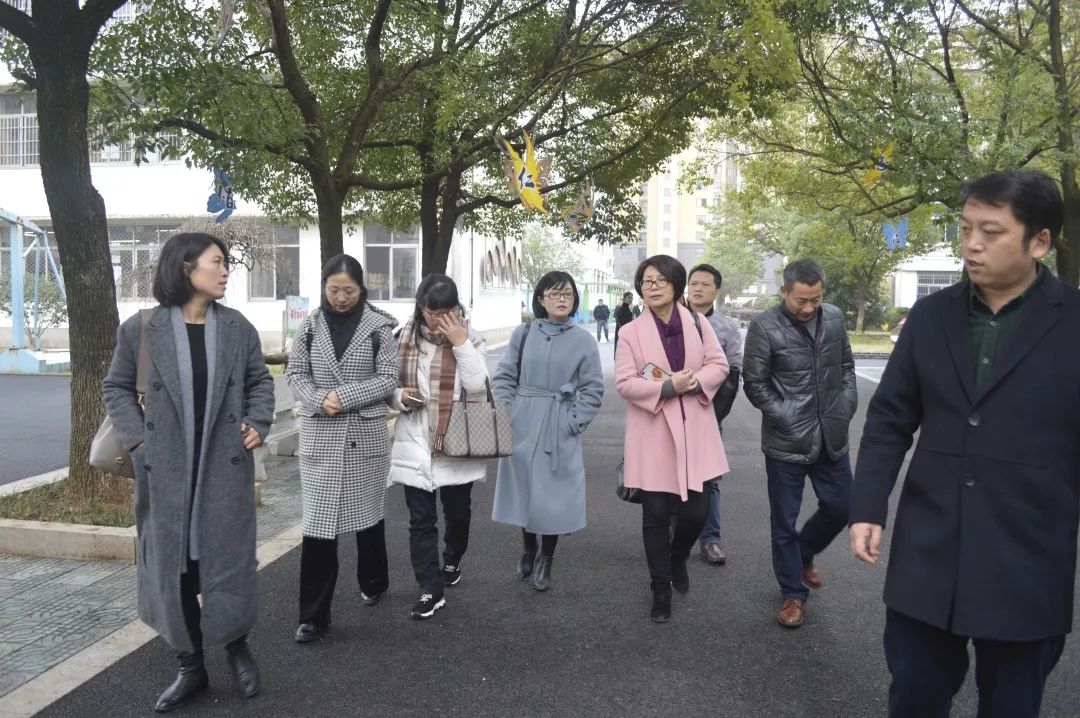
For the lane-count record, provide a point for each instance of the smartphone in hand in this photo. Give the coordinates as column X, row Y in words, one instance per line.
column 654, row 373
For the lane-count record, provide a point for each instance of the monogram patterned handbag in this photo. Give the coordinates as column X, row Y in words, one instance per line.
column 478, row 429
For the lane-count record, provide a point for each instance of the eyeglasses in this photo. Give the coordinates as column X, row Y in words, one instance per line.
column 655, row 283
column 559, row 295
column 438, row 313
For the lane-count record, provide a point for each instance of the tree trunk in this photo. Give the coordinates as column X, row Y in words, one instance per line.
column 1068, row 255
column 329, row 202
column 436, row 252
column 860, row 310
column 82, row 236
column 429, row 226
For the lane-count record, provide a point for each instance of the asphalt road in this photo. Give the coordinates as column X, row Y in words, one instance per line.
column 35, row 425
column 585, row 648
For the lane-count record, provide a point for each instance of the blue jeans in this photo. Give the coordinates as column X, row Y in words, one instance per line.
column 711, row 532
column 792, row 549
column 928, row 666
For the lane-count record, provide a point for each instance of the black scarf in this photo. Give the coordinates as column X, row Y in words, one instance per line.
column 342, row 325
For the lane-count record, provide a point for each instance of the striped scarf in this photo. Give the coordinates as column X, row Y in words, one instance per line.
column 440, row 379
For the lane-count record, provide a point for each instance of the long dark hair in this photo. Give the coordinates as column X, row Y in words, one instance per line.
column 436, row 291
column 343, row 264
column 172, row 286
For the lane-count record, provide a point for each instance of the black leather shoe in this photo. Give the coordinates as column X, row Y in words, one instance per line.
column 525, row 564
column 191, row 680
column 244, row 670
column 308, row 632
column 680, row 578
column 661, row 607
column 541, row 579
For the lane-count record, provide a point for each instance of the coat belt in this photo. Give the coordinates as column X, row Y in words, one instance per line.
column 549, row 437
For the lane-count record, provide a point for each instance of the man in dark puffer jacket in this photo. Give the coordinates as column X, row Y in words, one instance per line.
column 798, row 370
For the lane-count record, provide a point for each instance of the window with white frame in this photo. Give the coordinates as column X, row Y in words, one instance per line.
column 18, row 130
column 930, row 282
column 135, row 249
column 277, row 274
column 391, row 263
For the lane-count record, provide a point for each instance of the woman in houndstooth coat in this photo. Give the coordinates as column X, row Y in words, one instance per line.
column 343, row 367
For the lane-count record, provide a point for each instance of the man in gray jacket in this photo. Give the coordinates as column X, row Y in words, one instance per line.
column 798, row 370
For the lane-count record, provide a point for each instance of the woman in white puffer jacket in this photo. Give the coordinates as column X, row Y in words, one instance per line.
column 440, row 355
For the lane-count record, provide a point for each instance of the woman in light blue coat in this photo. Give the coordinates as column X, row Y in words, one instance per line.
column 551, row 376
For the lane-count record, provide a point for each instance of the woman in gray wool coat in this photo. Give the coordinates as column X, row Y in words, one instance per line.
column 209, row 402
column 343, row 367
column 551, row 376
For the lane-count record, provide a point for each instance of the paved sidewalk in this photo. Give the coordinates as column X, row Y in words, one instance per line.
column 51, row 609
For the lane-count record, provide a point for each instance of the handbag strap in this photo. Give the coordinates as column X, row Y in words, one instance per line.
column 142, row 368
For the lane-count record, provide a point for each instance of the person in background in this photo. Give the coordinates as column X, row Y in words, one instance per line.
column 209, row 403
column 623, row 316
column 550, row 375
column 703, row 288
column 668, row 368
column 798, row 370
column 601, row 313
column 440, row 356
column 343, row 368
column 984, row 545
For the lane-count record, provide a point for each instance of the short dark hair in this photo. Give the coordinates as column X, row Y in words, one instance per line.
column 803, row 271
column 667, row 266
column 172, row 285
column 717, row 277
column 436, row 291
column 628, row 295
column 549, row 281
column 345, row 264
column 1031, row 195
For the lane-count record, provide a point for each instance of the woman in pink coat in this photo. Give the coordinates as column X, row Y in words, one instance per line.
column 668, row 365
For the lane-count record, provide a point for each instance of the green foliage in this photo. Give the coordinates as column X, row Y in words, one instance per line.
column 51, row 309
column 543, row 251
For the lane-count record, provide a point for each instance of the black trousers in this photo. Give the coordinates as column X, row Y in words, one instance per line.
column 659, row 512
column 928, row 666
column 424, row 531
column 319, row 570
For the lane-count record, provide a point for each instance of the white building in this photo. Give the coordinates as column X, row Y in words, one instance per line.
column 920, row 276
column 145, row 204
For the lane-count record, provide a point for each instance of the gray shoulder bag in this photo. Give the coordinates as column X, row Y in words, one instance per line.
column 107, row 452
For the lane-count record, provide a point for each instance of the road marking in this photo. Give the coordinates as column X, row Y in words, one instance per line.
column 869, row 377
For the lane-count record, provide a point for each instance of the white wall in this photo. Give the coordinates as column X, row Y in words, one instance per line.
column 905, row 290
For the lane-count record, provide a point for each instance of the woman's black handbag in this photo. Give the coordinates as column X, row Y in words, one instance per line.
column 629, row 495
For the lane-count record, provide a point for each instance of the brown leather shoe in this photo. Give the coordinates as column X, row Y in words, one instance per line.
column 792, row 613
column 812, row 577
column 712, row 553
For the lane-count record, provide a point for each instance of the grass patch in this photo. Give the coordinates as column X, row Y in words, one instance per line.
column 108, row 504
column 871, row 343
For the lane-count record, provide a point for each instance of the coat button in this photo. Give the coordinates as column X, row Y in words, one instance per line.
column 146, row 468
column 157, row 386
column 236, row 459
column 974, row 419
column 549, row 339
column 354, row 445
column 149, row 426
column 969, row 480
column 232, row 418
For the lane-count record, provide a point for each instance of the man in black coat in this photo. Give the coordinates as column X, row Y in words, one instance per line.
column 601, row 314
column 623, row 315
column 984, row 546
column 798, row 370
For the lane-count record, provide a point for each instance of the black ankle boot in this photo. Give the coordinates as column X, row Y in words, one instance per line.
column 661, row 606
column 244, row 670
column 191, row 680
column 542, row 577
column 525, row 563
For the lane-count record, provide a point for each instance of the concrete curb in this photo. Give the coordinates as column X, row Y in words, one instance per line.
column 70, row 541
column 32, row 482
column 66, row 676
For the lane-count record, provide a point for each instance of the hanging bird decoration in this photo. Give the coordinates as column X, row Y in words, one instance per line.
column 222, row 200
column 527, row 176
column 896, row 234
column 884, row 157
column 581, row 211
